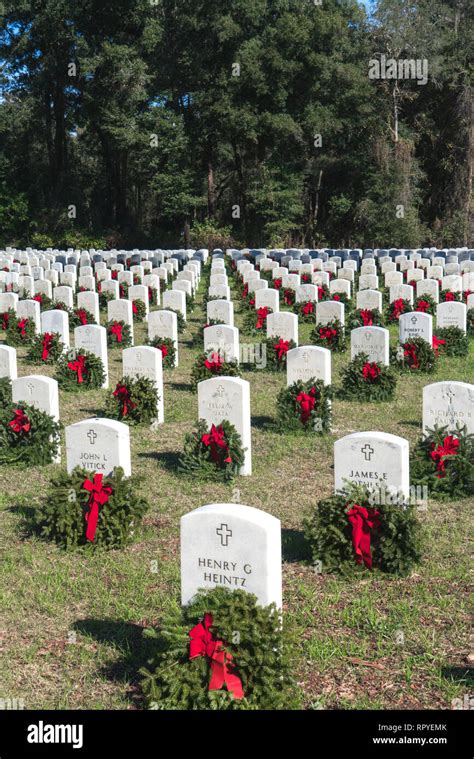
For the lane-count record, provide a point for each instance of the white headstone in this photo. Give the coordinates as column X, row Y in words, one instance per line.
column 222, row 339
column 369, row 300
column 56, row 321
column 8, row 367
column 308, row 362
column 145, row 361
column 98, row 445
column 451, row 314
column 283, row 325
column 373, row 341
column 93, row 339
column 221, row 310
column 415, row 324
column 90, row 301
column 328, row 310
column 447, row 404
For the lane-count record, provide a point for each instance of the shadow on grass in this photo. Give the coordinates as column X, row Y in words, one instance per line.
column 169, row 459
column 295, row 547
column 263, row 423
column 28, row 526
column 409, row 423
column 181, row 386
column 459, row 674
column 134, row 647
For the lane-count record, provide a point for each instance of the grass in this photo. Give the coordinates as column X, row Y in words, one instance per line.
column 71, row 626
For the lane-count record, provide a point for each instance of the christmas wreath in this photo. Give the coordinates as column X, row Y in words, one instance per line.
column 46, row 348
column 330, row 335
column 5, row 317
column 5, row 391
column 277, row 283
column 212, row 365
column 288, row 296
column 367, row 380
column 85, row 508
column 305, row 406
column 323, row 293
column 341, row 298
column 212, row 453
column 45, row 303
column 138, row 310
column 167, row 348
column 452, row 341
column 118, row 334
column 153, row 296
column 426, row 304
column 347, row 531
column 28, row 436
column 276, row 350
column 80, row 370
column 365, row 317
column 444, row 462
column 416, row 355
column 134, row 401
column 181, row 320
column 106, row 296
column 447, row 296
column 247, row 299
column 190, row 302
column 306, row 311
column 223, row 651
column 255, row 321
column 396, row 308
column 79, row 317
column 20, row 331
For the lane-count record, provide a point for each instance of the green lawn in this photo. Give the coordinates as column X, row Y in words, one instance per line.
column 70, row 625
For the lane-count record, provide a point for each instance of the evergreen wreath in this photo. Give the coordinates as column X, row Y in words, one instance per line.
column 138, row 310
column 454, row 341
column 5, row 391
column 330, row 335
column 181, row 320
column 153, row 293
column 448, row 295
column 367, row 380
column 20, row 331
column 214, row 452
column 119, row 334
column 84, row 371
column 305, row 406
column 288, row 296
column 390, row 534
column 258, row 660
column 28, row 436
column 45, row 348
column 106, row 296
column 323, row 293
column 470, row 322
column 444, row 461
column 84, row 508
column 276, row 350
column 306, row 311
column 5, row 317
column 167, row 348
column 248, row 299
column 134, row 401
column 341, row 298
column 190, row 302
column 255, row 321
column 414, row 355
column 426, row 304
column 396, row 308
column 365, row 317
column 79, row 317
column 45, row 303
column 209, row 365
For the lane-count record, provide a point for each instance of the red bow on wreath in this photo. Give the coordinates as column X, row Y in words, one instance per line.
column 215, row 439
column 203, row 644
column 281, row 348
column 336, row 297
column 164, row 350
column 306, row 402
column 288, row 296
column 123, row 394
column 362, row 522
column 116, row 329
column 215, row 363
column 114, row 274
column 22, row 326
column 134, row 307
column 5, row 320
column 81, row 315
column 78, row 366
column 449, row 448
column 38, row 298
column 327, row 333
column 422, row 306
column 99, row 496
column 436, row 343
column 245, row 291
column 308, row 308
column 47, row 342
column 466, row 294
column 410, row 352
column 277, row 283
column 321, row 292
column 367, row 317
column 262, row 314
column 398, row 307
column 449, row 296
column 20, row 422
column 370, row 371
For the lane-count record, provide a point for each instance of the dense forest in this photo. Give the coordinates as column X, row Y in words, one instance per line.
column 235, row 122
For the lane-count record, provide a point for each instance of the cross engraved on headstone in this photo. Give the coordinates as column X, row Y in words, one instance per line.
column 219, row 392
column 367, row 451
column 30, row 387
column 414, row 319
column 138, row 356
column 449, row 394
column 224, row 533
column 92, row 436
column 305, row 357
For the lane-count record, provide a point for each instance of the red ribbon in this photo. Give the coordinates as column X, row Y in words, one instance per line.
column 289, row 296
column 367, row 317
column 449, row 296
column 20, row 422
column 215, row 363
column 47, row 342
column 277, row 283
column 336, row 297
column 398, row 307
column 5, row 320
column 116, row 329
column 306, row 402
column 409, row 351
column 436, row 343
column 370, row 371
column 321, row 292
column 449, row 448
column 22, row 326
column 362, row 523
column 308, row 308
column 81, row 315
column 114, row 274
column 134, row 307
column 215, row 439
column 164, row 350
column 99, row 496
column 262, row 314
column 38, row 298
column 123, row 394
column 328, row 333
column 245, row 291
column 281, row 348
column 79, row 366
column 422, row 306
column 203, row 644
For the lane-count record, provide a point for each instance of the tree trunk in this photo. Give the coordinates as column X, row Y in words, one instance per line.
column 211, row 191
